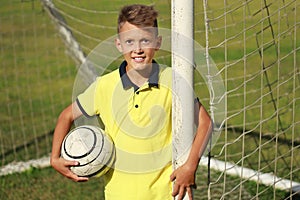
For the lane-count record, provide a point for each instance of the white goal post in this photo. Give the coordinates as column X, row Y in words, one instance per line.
column 182, row 79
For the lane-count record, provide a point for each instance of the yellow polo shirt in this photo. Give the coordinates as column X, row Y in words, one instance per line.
column 139, row 122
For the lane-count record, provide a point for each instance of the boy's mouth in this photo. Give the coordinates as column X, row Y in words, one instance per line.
column 138, row 59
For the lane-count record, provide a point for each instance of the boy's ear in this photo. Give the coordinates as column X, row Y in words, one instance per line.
column 118, row 45
column 158, row 43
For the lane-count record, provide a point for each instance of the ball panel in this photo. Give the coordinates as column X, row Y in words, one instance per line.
column 92, row 148
column 80, row 142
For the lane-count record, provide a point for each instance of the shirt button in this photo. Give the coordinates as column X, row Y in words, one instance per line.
column 136, row 106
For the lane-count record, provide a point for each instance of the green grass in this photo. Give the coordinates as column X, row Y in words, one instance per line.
column 37, row 78
column 48, row 184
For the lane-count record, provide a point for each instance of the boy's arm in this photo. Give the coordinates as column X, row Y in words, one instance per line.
column 64, row 123
column 184, row 176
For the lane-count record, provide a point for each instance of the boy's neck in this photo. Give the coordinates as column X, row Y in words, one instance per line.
column 139, row 77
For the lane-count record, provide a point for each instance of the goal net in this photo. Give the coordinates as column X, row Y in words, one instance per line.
column 254, row 44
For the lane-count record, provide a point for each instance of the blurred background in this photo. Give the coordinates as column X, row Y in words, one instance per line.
column 254, row 44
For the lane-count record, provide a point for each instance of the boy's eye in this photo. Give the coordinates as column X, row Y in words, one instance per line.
column 145, row 41
column 129, row 42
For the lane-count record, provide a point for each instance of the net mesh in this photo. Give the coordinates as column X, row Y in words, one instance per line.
column 253, row 44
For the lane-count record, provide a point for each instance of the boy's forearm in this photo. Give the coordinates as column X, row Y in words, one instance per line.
column 61, row 129
column 63, row 126
column 201, row 139
column 184, row 176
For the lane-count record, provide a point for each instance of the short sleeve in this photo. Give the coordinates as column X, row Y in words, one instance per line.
column 85, row 100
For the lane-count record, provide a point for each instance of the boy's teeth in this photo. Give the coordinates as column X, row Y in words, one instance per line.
column 138, row 59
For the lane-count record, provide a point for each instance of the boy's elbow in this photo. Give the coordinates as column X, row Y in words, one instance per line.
column 66, row 115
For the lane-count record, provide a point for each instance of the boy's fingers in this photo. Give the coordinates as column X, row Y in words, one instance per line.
column 181, row 193
column 76, row 178
column 71, row 163
column 81, row 179
column 175, row 190
column 172, row 177
column 69, row 174
column 190, row 193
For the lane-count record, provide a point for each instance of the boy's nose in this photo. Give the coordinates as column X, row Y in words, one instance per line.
column 137, row 48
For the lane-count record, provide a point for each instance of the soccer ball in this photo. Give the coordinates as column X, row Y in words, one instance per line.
column 92, row 148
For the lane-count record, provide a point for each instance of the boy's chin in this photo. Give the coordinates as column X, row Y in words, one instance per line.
column 140, row 66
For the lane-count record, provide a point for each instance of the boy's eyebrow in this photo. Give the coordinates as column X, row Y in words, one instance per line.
column 126, row 37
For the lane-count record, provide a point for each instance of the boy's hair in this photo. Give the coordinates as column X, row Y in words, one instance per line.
column 138, row 15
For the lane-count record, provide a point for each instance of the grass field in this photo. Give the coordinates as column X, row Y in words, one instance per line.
column 48, row 184
column 37, row 77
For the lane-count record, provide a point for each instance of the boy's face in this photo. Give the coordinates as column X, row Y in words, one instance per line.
column 138, row 45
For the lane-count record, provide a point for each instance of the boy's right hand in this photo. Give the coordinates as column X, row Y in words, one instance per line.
column 63, row 166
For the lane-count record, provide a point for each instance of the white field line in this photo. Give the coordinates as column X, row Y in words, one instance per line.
column 249, row 174
column 18, row 167
column 265, row 178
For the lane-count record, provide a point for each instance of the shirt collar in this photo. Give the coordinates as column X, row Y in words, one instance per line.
column 126, row 82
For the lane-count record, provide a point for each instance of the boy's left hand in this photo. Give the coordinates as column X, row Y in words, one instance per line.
column 184, row 181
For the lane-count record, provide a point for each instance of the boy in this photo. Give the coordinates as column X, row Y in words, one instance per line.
column 134, row 103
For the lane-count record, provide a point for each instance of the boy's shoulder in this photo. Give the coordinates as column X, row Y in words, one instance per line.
column 110, row 75
column 165, row 70
column 165, row 76
column 107, row 80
